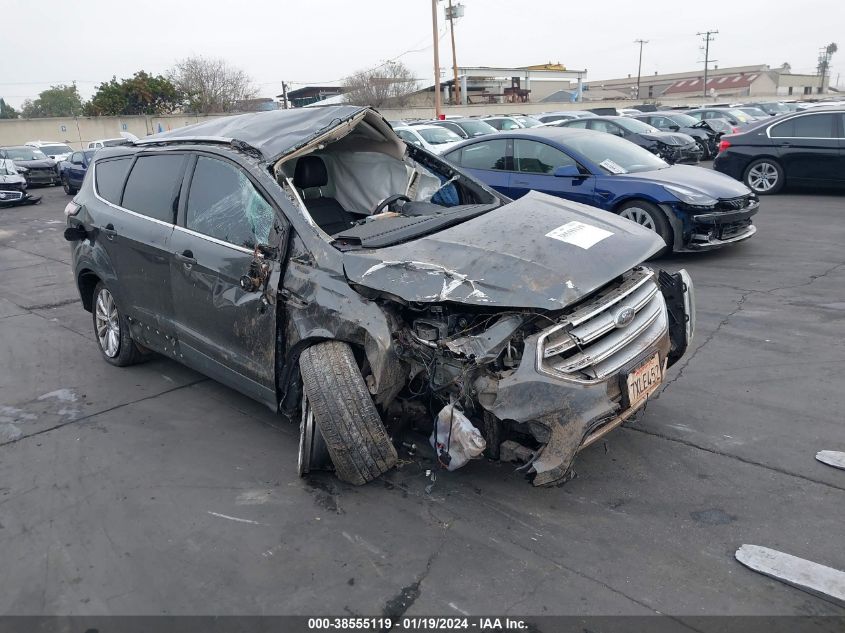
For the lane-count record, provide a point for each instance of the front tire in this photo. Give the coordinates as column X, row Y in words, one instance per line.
column 345, row 414
column 649, row 217
column 112, row 330
column 764, row 176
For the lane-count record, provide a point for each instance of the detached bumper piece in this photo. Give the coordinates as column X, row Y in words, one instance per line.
column 690, row 153
column 730, row 222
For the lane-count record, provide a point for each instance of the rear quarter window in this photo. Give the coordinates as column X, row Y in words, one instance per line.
column 111, row 175
column 153, row 185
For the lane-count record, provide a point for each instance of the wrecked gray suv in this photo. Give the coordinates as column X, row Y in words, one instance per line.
column 311, row 260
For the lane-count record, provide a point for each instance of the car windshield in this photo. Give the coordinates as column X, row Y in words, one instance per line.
column 613, row 154
column 89, row 153
column 113, row 142
column 684, row 120
column 438, row 135
column 739, row 115
column 25, row 153
column 636, row 126
column 528, row 121
column 476, row 128
column 55, row 149
column 779, row 108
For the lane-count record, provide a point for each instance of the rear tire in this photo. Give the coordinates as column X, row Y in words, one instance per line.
column 649, row 217
column 705, row 151
column 344, row 412
column 111, row 330
column 764, row 176
column 66, row 186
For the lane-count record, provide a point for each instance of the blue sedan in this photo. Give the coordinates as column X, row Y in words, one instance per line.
column 72, row 171
column 691, row 208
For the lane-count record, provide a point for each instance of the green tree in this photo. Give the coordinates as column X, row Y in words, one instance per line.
column 61, row 100
column 7, row 111
column 141, row 94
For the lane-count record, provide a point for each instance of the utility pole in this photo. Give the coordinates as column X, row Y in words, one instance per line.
column 437, row 107
column 285, row 95
column 708, row 37
column 640, row 65
column 456, row 89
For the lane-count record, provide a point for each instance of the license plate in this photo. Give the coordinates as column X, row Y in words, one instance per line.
column 644, row 381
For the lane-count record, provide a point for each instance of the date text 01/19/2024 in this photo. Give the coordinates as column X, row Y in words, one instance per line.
column 420, row 623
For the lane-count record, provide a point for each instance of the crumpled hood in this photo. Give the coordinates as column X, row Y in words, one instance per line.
column 670, row 138
column 713, row 183
column 507, row 257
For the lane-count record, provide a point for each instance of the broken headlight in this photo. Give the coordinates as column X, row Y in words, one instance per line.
column 691, row 196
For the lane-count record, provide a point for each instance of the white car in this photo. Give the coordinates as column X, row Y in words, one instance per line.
column 52, row 149
column 434, row 138
column 106, row 142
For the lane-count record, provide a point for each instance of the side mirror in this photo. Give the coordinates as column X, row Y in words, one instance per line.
column 675, row 128
column 566, row 171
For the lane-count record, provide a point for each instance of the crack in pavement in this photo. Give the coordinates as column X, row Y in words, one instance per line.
column 57, row 304
column 710, row 337
column 107, row 410
column 744, row 460
column 399, row 604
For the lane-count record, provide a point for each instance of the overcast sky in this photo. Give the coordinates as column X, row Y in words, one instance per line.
column 318, row 41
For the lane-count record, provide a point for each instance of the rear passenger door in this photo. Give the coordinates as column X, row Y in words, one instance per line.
column 809, row 149
column 134, row 230
column 225, row 330
column 488, row 160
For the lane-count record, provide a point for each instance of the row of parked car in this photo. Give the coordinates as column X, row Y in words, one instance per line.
column 44, row 163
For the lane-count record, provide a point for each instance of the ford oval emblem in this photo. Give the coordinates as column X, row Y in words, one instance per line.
column 624, row 316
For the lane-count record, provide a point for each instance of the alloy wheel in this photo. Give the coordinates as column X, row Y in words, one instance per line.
column 107, row 323
column 763, row 177
column 640, row 216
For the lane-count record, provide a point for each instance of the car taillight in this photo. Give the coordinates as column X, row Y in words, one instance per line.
column 72, row 208
column 723, row 145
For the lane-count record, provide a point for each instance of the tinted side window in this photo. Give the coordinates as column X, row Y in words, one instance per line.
column 153, row 186
column 538, row 158
column 509, row 124
column 810, row 126
column 76, row 158
column 223, row 203
column 579, row 123
column 485, row 155
column 111, row 175
column 496, row 123
column 606, row 126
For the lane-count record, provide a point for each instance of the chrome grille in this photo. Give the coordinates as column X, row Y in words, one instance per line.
column 597, row 339
column 6, row 195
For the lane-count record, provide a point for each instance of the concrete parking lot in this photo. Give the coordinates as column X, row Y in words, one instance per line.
column 153, row 490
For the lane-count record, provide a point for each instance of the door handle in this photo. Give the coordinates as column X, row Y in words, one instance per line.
column 186, row 257
column 109, row 231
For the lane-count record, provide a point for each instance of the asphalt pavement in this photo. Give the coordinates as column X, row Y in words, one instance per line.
column 154, row 490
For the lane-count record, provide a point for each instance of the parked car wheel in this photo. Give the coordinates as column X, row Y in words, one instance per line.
column 345, row 414
column 705, row 151
column 67, row 187
column 649, row 217
column 112, row 330
column 764, row 176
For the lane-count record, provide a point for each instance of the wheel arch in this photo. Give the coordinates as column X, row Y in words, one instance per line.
column 86, row 281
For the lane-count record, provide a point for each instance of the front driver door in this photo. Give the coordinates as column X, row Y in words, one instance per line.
column 535, row 163
column 225, row 329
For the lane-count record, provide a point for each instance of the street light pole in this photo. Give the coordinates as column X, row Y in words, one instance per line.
column 640, row 65
column 437, row 108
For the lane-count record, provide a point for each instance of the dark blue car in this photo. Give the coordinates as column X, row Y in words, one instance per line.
column 691, row 208
column 72, row 171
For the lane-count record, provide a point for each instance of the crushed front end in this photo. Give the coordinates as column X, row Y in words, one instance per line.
column 543, row 385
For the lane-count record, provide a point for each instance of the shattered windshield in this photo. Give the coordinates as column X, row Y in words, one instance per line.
column 7, row 167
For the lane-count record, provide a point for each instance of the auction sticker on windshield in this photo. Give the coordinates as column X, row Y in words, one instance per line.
column 612, row 167
column 644, row 381
column 579, row 234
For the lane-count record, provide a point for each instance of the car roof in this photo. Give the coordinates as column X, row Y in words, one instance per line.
column 271, row 133
column 548, row 133
column 17, row 147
